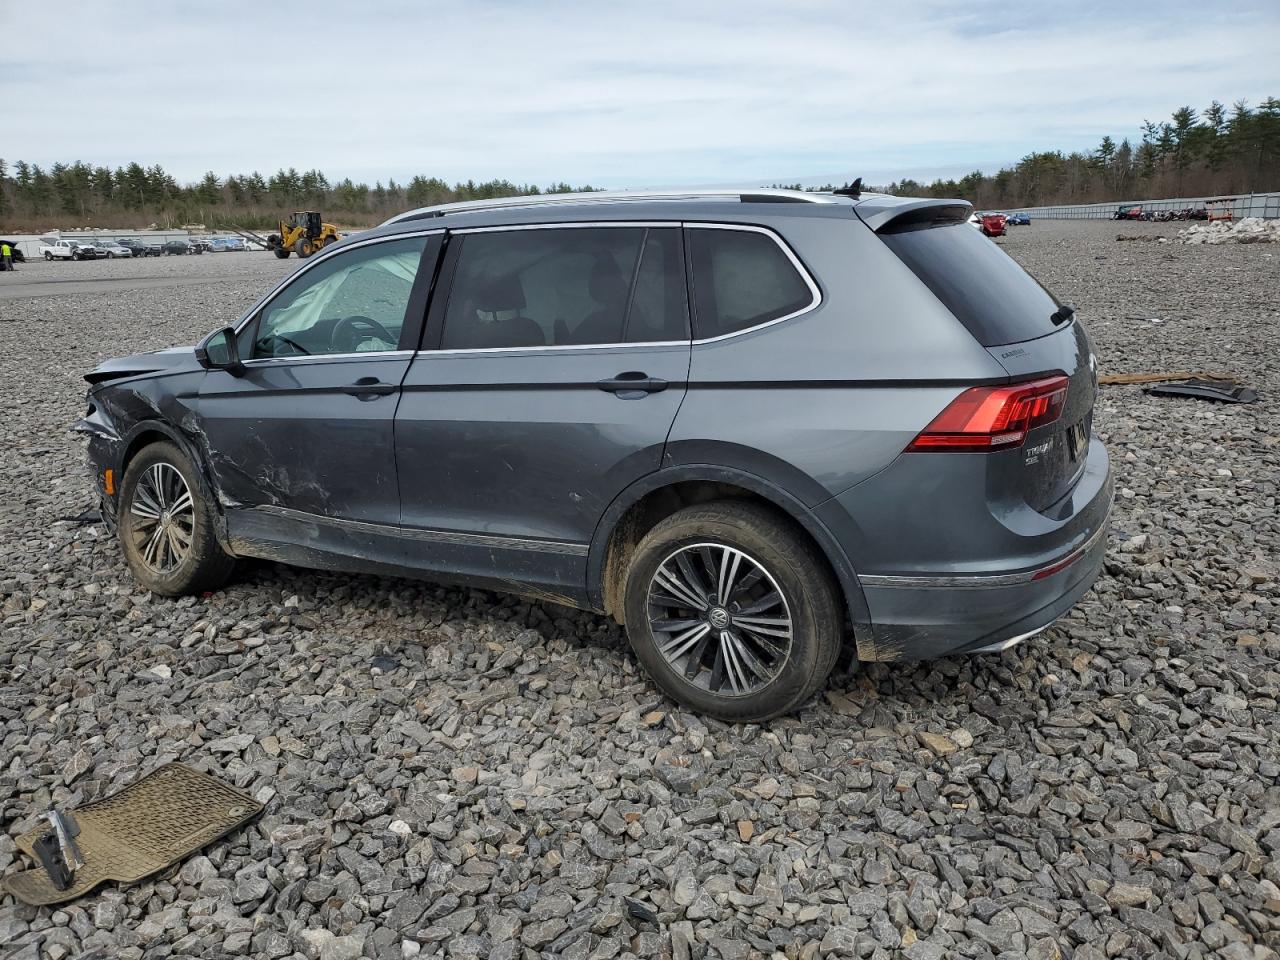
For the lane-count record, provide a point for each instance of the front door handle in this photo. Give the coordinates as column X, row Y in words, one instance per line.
column 633, row 381
column 366, row 388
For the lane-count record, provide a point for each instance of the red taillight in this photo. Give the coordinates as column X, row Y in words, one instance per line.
column 994, row 418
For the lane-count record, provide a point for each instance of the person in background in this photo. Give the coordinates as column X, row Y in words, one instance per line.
column 6, row 257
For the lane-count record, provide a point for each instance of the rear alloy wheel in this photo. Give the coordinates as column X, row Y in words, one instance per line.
column 165, row 527
column 732, row 612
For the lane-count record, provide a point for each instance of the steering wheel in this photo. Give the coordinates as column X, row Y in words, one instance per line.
column 264, row 345
column 348, row 333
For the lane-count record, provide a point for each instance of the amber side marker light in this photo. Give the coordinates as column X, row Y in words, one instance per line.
column 983, row 419
column 109, row 482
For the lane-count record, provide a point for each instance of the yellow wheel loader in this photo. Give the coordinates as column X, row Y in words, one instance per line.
column 303, row 234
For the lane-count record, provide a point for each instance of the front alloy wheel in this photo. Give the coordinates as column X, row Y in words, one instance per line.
column 166, row 525
column 163, row 518
column 719, row 619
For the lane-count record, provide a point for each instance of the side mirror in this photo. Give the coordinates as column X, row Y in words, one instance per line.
column 220, row 351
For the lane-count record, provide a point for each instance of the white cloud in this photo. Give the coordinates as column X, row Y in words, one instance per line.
column 611, row 94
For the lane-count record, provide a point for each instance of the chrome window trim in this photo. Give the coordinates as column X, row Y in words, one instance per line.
column 453, row 351
column 322, row 357
column 814, row 290
column 568, row 225
column 314, row 261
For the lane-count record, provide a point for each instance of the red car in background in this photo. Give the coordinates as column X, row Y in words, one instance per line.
column 991, row 224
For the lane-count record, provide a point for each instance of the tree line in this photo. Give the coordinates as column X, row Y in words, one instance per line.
column 1218, row 150
column 33, row 199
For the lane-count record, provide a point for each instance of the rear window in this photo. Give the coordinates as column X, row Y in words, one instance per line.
column 742, row 279
column 996, row 300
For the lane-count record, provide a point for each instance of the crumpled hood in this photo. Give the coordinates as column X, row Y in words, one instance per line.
column 170, row 360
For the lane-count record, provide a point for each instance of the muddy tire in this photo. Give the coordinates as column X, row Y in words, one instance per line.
column 166, row 525
column 303, row 247
column 732, row 611
column 282, row 253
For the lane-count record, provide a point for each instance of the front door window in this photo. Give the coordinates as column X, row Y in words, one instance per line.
column 353, row 302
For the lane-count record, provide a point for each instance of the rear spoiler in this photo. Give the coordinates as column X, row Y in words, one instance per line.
column 879, row 212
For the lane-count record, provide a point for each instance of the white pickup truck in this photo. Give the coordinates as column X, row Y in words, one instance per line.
column 54, row 249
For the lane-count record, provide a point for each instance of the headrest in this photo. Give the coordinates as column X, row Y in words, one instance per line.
column 500, row 293
column 607, row 283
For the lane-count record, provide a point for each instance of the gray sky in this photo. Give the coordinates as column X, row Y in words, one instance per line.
column 612, row 94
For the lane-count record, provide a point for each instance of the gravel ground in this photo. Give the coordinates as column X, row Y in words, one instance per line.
column 454, row 773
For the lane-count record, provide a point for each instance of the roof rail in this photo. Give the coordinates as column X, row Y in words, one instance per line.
column 763, row 195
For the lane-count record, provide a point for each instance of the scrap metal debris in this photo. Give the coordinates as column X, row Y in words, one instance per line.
column 1113, row 379
column 1227, row 391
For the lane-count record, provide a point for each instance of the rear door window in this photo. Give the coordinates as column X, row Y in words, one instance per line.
column 741, row 279
column 659, row 305
column 566, row 286
column 996, row 300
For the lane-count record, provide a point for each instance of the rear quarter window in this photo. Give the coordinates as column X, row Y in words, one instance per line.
column 741, row 279
column 996, row 300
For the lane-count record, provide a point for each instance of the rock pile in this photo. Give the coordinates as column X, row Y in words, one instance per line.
column 1248, row 230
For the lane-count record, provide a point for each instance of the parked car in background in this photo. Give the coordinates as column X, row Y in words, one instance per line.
column 1131, row 211
column 583, row 408
column 140, row 248
column 991, row 224
column 218, row 245
column 18, row 255
column 237, row 244
column 176, row 247
column 198, row 244
column 112, row 250
column 60, row 249
column 1017, row 220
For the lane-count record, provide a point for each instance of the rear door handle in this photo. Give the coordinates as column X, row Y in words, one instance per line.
column 633, row 381
column 369, row 387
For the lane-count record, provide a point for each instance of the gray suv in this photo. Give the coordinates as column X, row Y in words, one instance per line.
column 751, row 427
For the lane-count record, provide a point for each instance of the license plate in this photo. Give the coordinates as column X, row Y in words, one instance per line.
column 1077, row 437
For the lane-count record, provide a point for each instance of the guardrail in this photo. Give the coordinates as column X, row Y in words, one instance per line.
column 1242, row 205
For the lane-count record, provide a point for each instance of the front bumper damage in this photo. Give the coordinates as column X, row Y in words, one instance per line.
column 104, row 452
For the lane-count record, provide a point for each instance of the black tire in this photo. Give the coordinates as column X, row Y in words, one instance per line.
column 303, row 247
column 48, row 256
column 205, row 565
column 282, row 253
column 773, row 544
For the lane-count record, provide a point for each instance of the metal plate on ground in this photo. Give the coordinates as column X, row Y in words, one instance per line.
column 147, row 827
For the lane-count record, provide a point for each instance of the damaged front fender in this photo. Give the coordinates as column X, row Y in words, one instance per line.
column 122, row 419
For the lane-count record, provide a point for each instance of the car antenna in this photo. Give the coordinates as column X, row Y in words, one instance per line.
column 850, row 189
